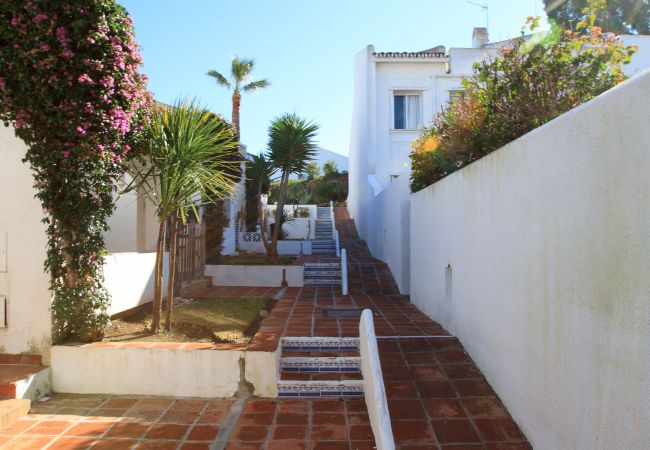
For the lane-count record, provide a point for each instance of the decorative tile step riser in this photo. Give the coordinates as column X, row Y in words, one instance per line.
column 322, row 273
column 320, row 389
column 318, row 344
column 322, row 266
column 321, row 365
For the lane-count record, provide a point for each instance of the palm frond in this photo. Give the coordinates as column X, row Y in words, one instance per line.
column 191, row 158
column 221, row 80
column 256, row 86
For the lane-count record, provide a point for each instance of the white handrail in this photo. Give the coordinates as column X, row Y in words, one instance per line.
column 332, row 218
column 344, row 271
column 338, row 248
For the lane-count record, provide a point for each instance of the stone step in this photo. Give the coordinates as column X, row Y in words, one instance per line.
column 320, row 344
column 29, row 360
column 24, row 381
column 12, row 410
column 342, row 388
column 320, row 365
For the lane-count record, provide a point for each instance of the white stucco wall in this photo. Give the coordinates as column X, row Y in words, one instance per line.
column 129, row 279
column 388, row 237
column 22, row 279
column 267, row 276
column 91, row 369
column 548, row 244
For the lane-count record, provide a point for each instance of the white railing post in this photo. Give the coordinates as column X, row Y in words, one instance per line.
column 338, row 248
column 344, row 272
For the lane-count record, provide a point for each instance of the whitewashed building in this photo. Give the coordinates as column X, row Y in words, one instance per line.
column 395, row 95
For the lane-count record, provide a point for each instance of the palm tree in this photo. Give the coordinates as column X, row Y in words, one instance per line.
column 240, row 74
column 292, row 147
column 189, row 161
column 259, row 172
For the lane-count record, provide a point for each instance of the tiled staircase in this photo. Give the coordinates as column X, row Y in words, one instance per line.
column 322, row 274
column 323, row 243
column 320, row 367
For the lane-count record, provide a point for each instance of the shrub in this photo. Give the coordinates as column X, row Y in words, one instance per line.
column 529, row 84
column 301, row 212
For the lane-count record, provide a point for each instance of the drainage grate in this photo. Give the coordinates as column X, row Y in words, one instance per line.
column 345, row 313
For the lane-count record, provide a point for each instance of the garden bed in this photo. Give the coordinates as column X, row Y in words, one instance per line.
column 212, row 320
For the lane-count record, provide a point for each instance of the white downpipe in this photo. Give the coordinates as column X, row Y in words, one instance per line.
column 338, row 248
column 344, row 271
column 373, row 384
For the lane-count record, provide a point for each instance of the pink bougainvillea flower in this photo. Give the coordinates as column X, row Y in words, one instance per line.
column 66, row 153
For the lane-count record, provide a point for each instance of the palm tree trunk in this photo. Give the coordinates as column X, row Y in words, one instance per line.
column 173, row 223
column 273, row 256
column 158, row 283
column 236, row 101
column 261, row 217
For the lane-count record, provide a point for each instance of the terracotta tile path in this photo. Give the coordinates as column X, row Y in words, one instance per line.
column 438, row 399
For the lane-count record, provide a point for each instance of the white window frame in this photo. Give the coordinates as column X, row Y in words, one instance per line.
column 406, row 92
column 456, row 92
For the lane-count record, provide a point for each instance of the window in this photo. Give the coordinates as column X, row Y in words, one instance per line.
column 406, row 111
column 455, row 94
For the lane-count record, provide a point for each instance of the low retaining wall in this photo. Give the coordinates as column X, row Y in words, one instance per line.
column 129, row 279
column 373, row 384
column 162, row 368
column 262, row 276
column 252, row 243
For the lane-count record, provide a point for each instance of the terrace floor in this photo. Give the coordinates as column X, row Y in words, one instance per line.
column 437, row 397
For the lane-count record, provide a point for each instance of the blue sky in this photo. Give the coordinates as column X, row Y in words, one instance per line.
column 304, row 47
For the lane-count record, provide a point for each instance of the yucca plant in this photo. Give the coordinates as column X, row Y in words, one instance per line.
column 291, row 148
column 190, row 161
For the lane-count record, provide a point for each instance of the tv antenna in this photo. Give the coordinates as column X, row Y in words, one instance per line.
column 485, row 7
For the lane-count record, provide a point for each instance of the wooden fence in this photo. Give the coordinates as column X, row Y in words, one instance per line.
column 190, row 255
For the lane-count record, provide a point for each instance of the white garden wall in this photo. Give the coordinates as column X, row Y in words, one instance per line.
column 264, row 276
column 23, row 243
column 537, row 258
column 388, row 237
column 129, row 278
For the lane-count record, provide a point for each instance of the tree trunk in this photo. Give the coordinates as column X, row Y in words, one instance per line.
column 261, row 217
column 236, row 101
column 173, row 223
column 273, row 256
column 158, row 285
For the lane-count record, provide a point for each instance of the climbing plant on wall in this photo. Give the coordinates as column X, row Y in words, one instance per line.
column 70, row 85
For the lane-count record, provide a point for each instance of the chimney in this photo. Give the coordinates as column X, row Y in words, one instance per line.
column 480, row 37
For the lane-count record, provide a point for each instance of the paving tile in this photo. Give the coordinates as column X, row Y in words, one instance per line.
column 287, row 432
column 28, row 442
column 71, row 443
column 485, row 407
column 250, row 433
column 203, row 433
column 503, row 429
column 115, row 444
column 127, row 430
column 444, row 408
column 412, row 432
column 166, row 431
column 286, row 444
column 88, row 429
column 454, row 430
column 328, row 432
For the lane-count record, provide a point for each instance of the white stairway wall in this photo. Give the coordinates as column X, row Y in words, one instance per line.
column 548, row 245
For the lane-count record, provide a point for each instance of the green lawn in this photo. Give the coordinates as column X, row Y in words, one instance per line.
column 232, row 320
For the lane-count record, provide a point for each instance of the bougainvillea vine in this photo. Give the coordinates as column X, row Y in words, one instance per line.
column 71, row 86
